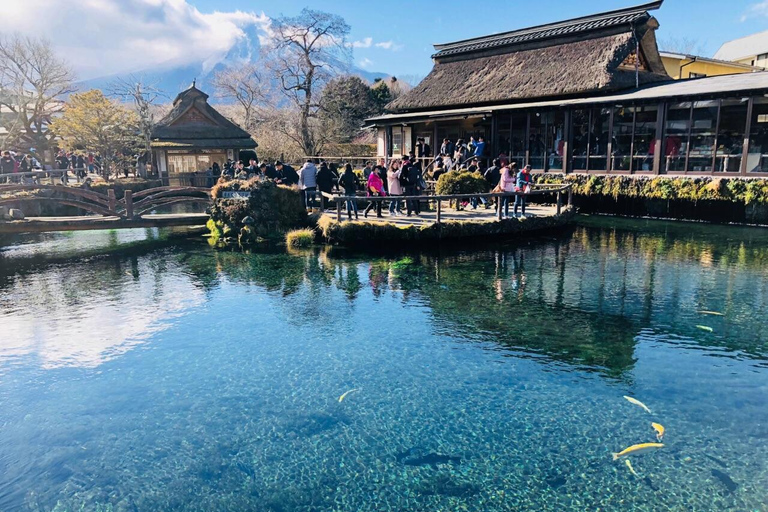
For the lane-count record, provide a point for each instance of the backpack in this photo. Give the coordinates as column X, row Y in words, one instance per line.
column 404, row 173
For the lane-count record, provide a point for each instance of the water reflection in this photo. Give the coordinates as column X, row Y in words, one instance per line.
column 578, row 299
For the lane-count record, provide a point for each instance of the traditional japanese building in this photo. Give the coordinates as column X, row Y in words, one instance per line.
column 584, row 95
column 193, row 137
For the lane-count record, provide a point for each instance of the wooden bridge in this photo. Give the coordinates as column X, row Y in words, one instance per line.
column 133, row 210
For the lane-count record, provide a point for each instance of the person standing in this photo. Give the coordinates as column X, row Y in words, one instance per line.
column 325, row 179
column 395, row 189
column 252, row 169
column 447, row 148
column 375, row 188
column 524, row 182
column 349, row 182
column 415, row 186
column 480, row 147
column 439, row 171
column 7, row 163
column 368, row 169
column 506, row 186
column 308, row 183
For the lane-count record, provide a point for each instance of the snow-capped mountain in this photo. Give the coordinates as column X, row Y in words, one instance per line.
column 174, row 78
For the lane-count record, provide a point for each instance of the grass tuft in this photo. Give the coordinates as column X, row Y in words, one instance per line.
column 299, row 238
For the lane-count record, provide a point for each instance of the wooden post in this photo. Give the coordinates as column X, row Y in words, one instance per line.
column 559, row 202
column 128, row 204
column 112, row 200
column 322, row 202
column 338, row 211
column 570, row 196
column 439, row 210
column 498, row 203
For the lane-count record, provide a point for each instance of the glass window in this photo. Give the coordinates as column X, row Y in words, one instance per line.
column 757, row 158
column 555, row 140
column 644, row 138
column 190, row 163
column 580, row 126
column 599, row 137
column 519, row 138
column 536, row 145
column 730, row 135
column 703, row 128
column 397, row 142
column 623, row 124
column 676, row 136
column 503, row 144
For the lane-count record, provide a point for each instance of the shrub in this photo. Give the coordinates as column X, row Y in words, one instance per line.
column 737, row 190
column 461, row 182
column 300, row 238
column 270, row 211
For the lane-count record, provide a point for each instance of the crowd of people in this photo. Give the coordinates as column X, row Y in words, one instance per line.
column 401, row 178
column 79, row 164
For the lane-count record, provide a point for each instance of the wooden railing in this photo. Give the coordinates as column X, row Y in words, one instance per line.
column 537, row 190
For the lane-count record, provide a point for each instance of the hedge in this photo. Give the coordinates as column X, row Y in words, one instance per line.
column 737, row 190
column 461, row 182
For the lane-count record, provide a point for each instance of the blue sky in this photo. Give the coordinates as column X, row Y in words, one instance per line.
column 393, row 37
column 413, row 26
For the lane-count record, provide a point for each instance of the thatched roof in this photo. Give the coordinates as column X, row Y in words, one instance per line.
column 192, row 122
column 595, row 54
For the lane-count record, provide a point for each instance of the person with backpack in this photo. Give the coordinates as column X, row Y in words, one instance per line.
column 524, row 182
column 349, row 182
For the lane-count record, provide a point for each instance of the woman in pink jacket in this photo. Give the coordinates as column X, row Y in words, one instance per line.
column 375, row 188
column 507, row 185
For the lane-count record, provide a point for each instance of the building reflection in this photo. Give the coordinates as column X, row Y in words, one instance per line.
column 579, row 299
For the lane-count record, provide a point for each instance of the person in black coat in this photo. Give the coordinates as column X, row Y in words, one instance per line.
column 324, row 179
column 289, row 176
column 350, row 183
column 415, row 185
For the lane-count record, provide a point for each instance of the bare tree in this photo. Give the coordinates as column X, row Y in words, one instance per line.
column 144, row 98
column 303, row 55
column 246, row 86
column 681, row 45
column 32, row 80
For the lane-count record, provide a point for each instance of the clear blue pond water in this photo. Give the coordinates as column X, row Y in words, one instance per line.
column 142, row 373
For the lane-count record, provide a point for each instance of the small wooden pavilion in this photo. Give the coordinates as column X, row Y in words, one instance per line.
column 193, row 137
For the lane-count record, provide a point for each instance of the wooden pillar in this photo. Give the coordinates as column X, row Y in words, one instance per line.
column 570, row 196
column 112, row 200
column 745, row 147
column 338, row 210
column 439, row 210
column 568, row 144
column 657, row 152
column 498, row 204
column 128, row 204
column 559, row 202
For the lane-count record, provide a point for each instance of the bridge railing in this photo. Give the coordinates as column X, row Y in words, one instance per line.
column 559, row 190
column 128, row 207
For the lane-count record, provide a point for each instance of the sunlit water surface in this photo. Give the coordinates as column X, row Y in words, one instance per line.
column 173, row 377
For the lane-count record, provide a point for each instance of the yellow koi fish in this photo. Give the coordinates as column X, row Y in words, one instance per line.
column 705, row 328
column 713, row 313
column 659, row 431
column 342, row 397
column 631, row 469
column 636, row 449
column 637, row 402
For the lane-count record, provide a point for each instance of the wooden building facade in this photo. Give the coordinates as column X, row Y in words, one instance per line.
column 193, row 137
column 584, row 95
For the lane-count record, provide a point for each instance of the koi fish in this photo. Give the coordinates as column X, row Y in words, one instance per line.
column 659, row 430
column 713, row 313
column 705, row 328
column 638, row 403
column 636, row 449
column 631, row 469
column 342, row 397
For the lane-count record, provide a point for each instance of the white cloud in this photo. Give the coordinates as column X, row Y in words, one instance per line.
column 758, row 9
column 102, row 37
column 365, row 43
column 389, row 45
column 365, row 63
